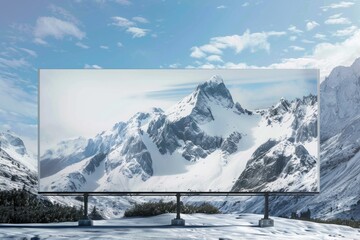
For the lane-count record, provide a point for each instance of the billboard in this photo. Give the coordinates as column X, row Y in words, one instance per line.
column 201, row 131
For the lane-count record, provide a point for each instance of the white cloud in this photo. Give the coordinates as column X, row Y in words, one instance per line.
column 29, row 51
column 342, row 4
column 345, row 32
column 84, row 46
column 137, row 32
column 320, row 36
column 93, row 66
column 123, row 2
column 307, row 41
column 104, row 47
column 336, row 15
column 297, row 48
column 18, row 107
column 253, row 41
column 214, row 58
column 245, row 4
column 140, row 19
column 122, row 22
column 326, row 56
column 197, row 53
column 13, row 63
column 311, row 25
column 175, row 65
column 119, row 44
column 209, row 48
column 336, row 19
column 294, row 29
column 39, row 41
column 56, row 28
column 221, row 7
column 131, row 26
column 207, row 66
column 63, row 13
column 293, row 38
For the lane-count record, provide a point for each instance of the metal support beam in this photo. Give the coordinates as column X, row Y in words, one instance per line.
column 85, row 221
column 266, row 221
column 266, row 207
column 86, row 200
column 178, row 206
column 178, row 221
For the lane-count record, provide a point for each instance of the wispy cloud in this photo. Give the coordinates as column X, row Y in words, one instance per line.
column 325, row 56
column 123, row 2
column 307, row 41
column 137, row 32
column 56, row 28
column 82, row 45
column 342, row 4
column 119, row 44
column 345, row 32
column 310, row 25
column 337, row 19
column 92, row 66
column 175, row 65
column 197, row 53
column 294, row 29
column 214, row 58
column 210, row 48
column 320, row 36
column 122, row 22
column 29, row 51
column 221, row 7
column 297, row 48
column 39, row 41
column 140, row 19
column 104, row 47
column 14, row 99
column 63, row 13
column 292, row 38
column 13, row 63
column 130, row 26
column 253, row 41
column 245, row 4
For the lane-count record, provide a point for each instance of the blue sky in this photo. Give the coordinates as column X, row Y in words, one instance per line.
column 164, row 34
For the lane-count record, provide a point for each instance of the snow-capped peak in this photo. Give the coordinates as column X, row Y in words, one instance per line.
column 15, row 147
column 215, row 90
column 199, row 103
column 216, row 79
column 10, row 140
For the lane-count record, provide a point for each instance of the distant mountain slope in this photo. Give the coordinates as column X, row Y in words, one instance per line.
column 340, row 154
column 17, row 168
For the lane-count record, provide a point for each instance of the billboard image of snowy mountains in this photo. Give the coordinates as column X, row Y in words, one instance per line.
column 178, row 131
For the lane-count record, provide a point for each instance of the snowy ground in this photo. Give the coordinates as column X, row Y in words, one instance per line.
column 198, row 226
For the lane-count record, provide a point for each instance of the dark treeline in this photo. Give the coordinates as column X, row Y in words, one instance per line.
column 21, row 206
column 156, row 208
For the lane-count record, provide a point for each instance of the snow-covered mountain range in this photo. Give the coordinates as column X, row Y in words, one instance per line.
column 340, row 154
column 17, row 167
column 205, row 142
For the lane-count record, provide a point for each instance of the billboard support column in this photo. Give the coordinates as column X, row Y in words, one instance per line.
column 85, row 221
column 178, row 221
column 266, row 221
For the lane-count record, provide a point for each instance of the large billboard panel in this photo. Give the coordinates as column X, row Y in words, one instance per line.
column 201, row 131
